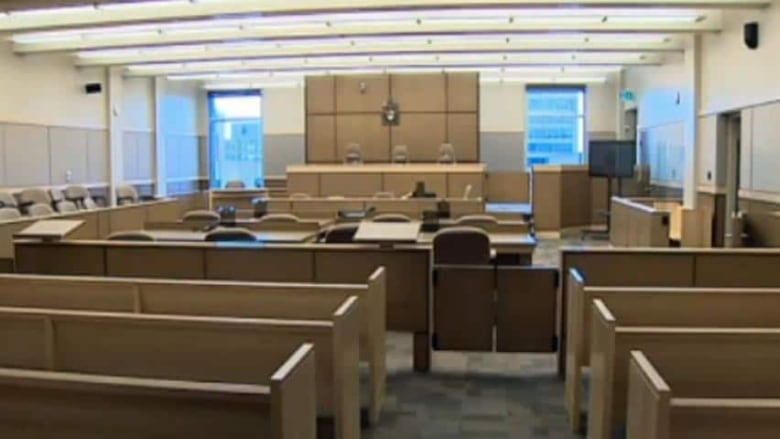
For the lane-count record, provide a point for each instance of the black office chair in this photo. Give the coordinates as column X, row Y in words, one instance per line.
column 231, row 235
column 131, row 236
column 341, row 234
column 461, row 246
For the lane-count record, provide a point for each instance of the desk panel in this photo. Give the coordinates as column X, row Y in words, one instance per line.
column 404, row 183
column 249, row 264
column 155, row 261
column 352, row 184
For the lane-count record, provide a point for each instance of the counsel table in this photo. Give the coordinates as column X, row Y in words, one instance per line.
column 281, row 236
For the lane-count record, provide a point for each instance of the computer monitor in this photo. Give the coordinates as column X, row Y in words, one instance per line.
column 611, row 158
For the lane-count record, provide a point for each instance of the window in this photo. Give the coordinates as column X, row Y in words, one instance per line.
column 236, row 138
column 556, row 126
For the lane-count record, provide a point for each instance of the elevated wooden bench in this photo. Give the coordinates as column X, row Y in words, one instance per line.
column 634, row 328
column 232, row 350
column 717, row 393
column 74, row 406
column 688, row 306
column 216, row 298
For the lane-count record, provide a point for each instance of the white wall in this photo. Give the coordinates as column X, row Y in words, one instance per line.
column 284, row 125
column 48, row 90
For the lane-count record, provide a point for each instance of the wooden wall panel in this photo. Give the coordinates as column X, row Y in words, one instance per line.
column 463, row 92
column 361, row 94
column 356, row 185
column 303, row 183
column 400, row 184
column 320, row 95
column 321, row 139
column 367, row 131
column 463, row 134
column 419, row 93
column 503, row 187
column 422, row 133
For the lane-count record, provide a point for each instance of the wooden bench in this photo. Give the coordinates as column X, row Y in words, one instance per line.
column 684, row 396
column 665, row 304
column 408, row 270
column 65, row 405
column 664, row 267
column 684, row 328
column 216, row 298
column 210, row 349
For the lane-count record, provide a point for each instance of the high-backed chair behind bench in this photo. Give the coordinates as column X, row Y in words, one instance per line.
column 400, row 154
column 447, row 153
column 235, row 184
column 131, row 407
column 126, row 194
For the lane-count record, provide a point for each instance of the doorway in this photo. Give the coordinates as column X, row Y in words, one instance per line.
column 733, row 227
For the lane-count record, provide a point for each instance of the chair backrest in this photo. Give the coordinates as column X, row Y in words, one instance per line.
column 300, row 196
column 40, row 209
column 446, row 153
column 391, row 218
column 461, row 246
column 130, row 236
column 353, row 155
column 80, row 196
column 476, row 219
column 279, row 217
column 126, row 194
column 66, row 206
column 341, row 234
column 400, row 154
column 384, row 195
column 7, row 199
column 34, row 195
column 201, row 216
column 235, row 184
column 9, row 213
column 231, row 234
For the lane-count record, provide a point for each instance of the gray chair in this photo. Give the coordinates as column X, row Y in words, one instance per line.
column 279, row 218
column 131, row 236
column 80, row 196
column 461, row 246
column 476, row 220
column 126, row 194
column 66, row 206
column 384, row 195
column 447, row 153
column 235, row 184
column 40, row 210
column 353, row 156
column 9, row 213
column 59, row 203
column 201, row 217
column 231, row 235
column 7, row 199
column 31, row 196
column 400, row 154
column 341, row 234
column 391, row 218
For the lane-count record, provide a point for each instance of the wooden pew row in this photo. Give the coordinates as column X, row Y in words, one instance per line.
column 623, row 325
column 64, row 405
column 664, row 267
column 684, row 396
column 408, row 270
column 654, row 299
column 216, row 299
column 98, row 223
column 231, row 350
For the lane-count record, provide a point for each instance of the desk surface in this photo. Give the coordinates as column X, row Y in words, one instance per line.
column 49, row 229
column 387, row 232
column 287, row 236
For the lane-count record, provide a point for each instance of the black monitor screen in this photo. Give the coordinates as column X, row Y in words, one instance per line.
column 612, row 158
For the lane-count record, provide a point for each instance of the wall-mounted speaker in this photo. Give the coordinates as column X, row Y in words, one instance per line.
column 93, row 88
column 751, row 35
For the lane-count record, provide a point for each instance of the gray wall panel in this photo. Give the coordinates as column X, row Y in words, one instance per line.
column 282, row 150
column 503, row 151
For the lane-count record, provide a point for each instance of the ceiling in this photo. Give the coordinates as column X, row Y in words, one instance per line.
column 275, row 43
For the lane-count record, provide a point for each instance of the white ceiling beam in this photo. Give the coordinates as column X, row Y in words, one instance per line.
column 401, row 61
column 184, row 10
column 217, row 53
column 711, row 24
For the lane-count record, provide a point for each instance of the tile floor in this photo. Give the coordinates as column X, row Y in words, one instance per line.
column 468, row 395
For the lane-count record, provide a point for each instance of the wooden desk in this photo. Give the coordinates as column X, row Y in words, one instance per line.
column 282, row 236
column 368, row 179
column 49, row 230
column 239, row 198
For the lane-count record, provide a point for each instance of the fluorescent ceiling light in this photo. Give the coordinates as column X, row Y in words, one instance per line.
column 141, row 5
column 51, row 11
column 253, row 85
column 546, row 80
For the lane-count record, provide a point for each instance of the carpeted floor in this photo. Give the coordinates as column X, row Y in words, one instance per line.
column 468, row 395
